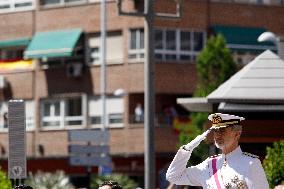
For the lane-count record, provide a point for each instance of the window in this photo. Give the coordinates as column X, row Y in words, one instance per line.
column 55, row 3
column 58, row 113
column 16, row 5
column 11, row 54
column 50, row 3
column 3, row 115
column 73, row 111
column 114, row 111
column 276, row 2
column 178, row 45
column 115, row 118
column 114, row 45
column 29, row 110
column 259, row 2
column 136, row 45
column 51, row 114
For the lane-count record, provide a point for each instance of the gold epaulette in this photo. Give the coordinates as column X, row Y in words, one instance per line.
column 213, row 156
column 250, row 155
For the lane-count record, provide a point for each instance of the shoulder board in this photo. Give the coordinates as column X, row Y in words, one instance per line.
column 250, row 155
column 214, row 156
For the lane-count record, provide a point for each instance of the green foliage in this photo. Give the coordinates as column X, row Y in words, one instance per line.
column 41, row 180
column 122, row 180
column 214, row 66
column 188, row 134
column 4, row 181
column 185, row 136
column 274, row 165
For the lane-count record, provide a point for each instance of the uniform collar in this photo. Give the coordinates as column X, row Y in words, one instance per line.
column 234, row 153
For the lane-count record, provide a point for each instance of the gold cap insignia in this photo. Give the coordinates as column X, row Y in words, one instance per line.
column 216, row 119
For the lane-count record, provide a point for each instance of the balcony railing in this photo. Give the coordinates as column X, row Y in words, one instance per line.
column 161, row 120
column 256, row 2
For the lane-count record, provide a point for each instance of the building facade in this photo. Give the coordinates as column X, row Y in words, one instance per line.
column 50, row 57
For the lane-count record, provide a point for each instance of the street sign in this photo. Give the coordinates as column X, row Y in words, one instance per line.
column 95, row 136
column 17, row 139
column 75, row 149
column 90, row 160
column 92, row 149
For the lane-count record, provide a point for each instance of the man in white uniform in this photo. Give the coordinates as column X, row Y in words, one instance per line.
column 233, row 169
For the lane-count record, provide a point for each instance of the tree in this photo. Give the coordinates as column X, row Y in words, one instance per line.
column 4, row 181
column 214, row 66
column 124, row 181
column 274, row 165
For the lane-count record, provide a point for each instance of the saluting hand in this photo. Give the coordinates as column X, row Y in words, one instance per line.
column 195, row 142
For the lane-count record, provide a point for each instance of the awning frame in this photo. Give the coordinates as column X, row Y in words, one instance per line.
column 53, row 44
column 196, row 104
column 15, row 42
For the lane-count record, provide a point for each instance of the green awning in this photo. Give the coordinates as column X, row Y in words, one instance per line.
column 15, row 42
column 53, row 44
column 243, row 38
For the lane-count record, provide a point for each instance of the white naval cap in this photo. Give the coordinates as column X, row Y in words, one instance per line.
column 220, row 120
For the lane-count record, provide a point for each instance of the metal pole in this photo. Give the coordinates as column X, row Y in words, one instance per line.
column 149, row 81
column 149, row 98
column 103, row 62
column 103, row 67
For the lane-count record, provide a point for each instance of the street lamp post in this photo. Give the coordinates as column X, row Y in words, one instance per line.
column 149, row 79
column 103, row 78
column 149, row 98
column 103, row 62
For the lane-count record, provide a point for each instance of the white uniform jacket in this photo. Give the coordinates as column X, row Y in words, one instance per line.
column 235, row 170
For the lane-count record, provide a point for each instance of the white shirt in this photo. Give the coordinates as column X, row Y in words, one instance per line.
column 236, row 170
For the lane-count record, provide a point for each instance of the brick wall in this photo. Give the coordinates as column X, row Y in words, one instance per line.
column 196, row 14
column 16, row 25
column 171, row 78
column 19, row 85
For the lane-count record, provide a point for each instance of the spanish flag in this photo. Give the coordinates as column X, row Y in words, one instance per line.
column 182, row 123
column 16, row 65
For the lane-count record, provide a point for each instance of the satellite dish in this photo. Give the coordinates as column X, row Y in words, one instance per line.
column 267, row 36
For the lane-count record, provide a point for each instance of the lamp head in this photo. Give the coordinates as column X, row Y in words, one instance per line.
column 267, row 36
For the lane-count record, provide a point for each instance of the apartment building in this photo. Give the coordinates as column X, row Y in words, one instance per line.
column 50, row 58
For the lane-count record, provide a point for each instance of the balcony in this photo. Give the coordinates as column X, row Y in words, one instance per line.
column 256, row 2
column 161, row 120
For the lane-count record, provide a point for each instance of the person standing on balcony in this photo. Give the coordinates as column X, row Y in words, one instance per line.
column 170, row 114
column 233, row 169
column 139, row 113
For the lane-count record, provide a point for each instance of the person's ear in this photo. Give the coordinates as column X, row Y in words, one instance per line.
column 238, row 134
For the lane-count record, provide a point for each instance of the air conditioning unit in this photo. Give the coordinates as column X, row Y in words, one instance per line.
column 74, row 70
